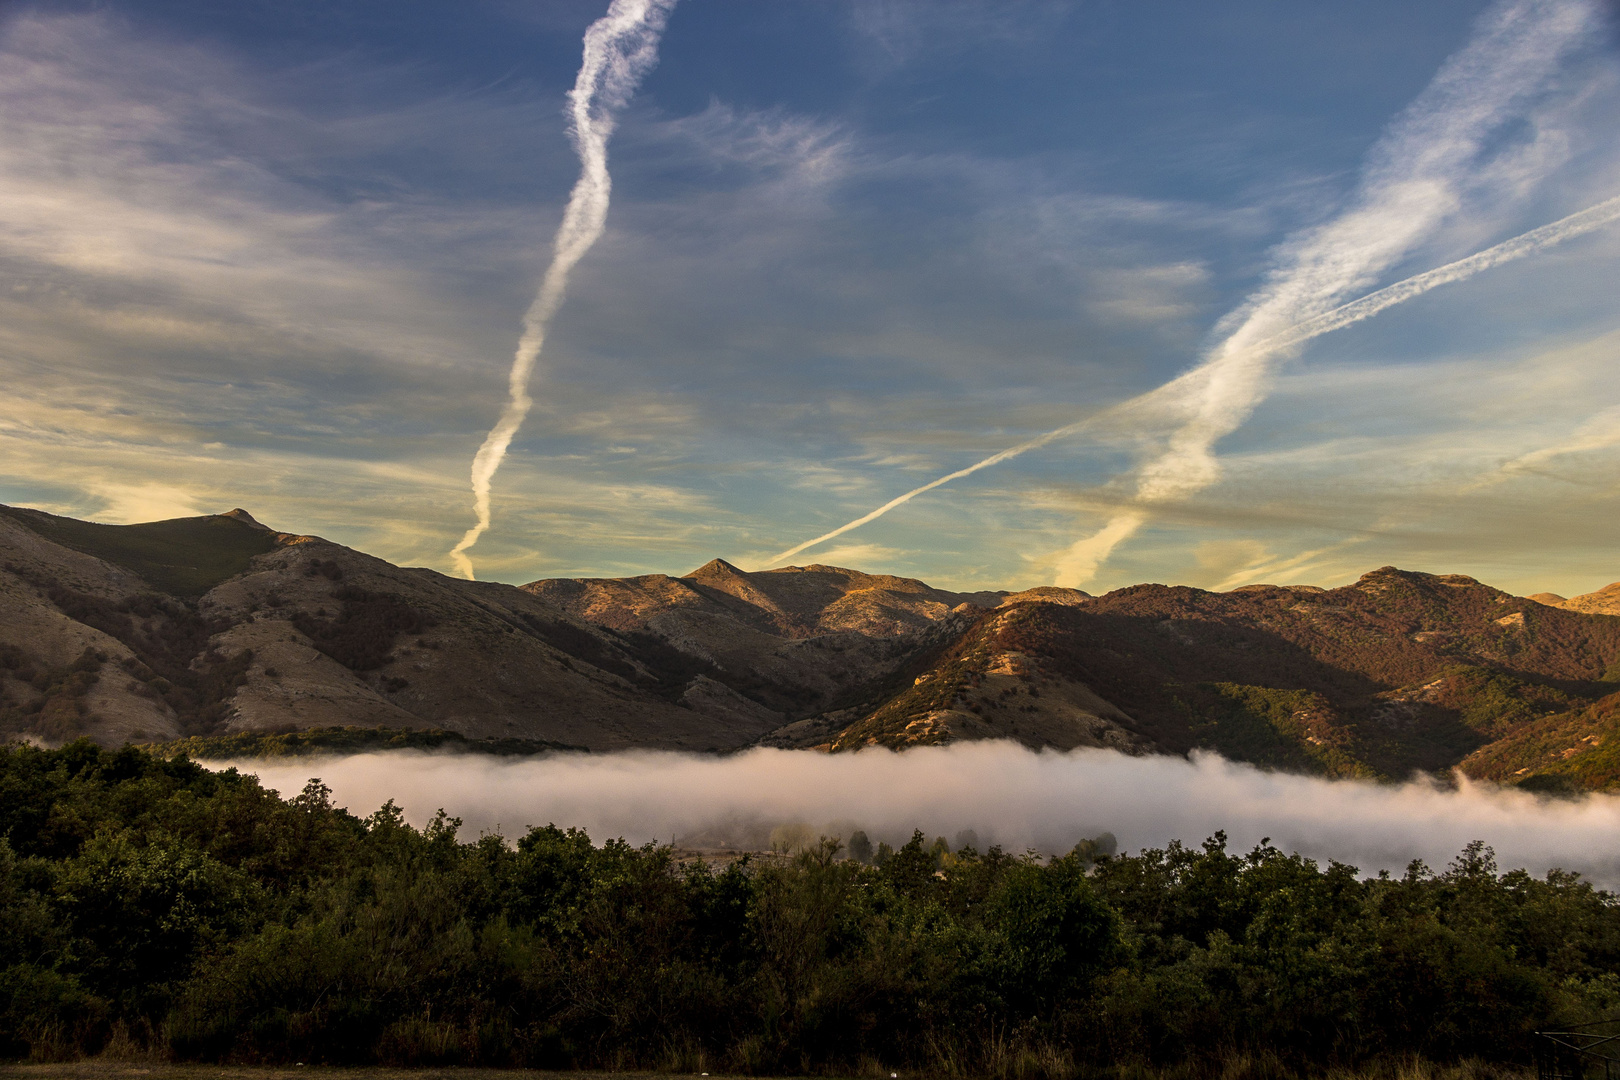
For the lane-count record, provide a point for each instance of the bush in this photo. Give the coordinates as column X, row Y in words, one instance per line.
column 154, row 907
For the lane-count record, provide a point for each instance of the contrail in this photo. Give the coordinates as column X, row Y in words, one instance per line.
column 1567, row 228
column 1577, row 224
column 620, row 48
column 1598, row 433
column 1414, row 177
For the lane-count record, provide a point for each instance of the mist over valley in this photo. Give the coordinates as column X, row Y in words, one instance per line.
column 881, row 538
column 220, row 637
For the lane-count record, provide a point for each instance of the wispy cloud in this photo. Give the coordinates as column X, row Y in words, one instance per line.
column 293, row 284
column 1598, row 432
column 801, row 151
column 174, row 203
column 902, row 30
column 1415, row 178
column 1176, row 478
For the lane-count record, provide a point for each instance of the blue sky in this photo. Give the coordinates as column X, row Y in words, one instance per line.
column 278, row 256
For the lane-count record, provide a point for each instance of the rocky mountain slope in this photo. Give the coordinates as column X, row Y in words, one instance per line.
column 800, row 641
column 218, row 626
column 213, row 625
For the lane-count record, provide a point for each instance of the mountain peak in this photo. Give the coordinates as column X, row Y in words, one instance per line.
column 1386, row 572
column 716, row 568
column 246, row 518
column 1605, row 601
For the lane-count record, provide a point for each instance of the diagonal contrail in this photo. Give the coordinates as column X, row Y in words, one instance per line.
column 1414, row 177
column 620, row 48
column 1355, row 311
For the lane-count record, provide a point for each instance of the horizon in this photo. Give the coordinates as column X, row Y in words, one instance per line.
column 992, row 299
column 237, row 512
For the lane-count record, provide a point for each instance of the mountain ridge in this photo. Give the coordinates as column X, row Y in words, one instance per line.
column 1604, row 601
column 219, row 626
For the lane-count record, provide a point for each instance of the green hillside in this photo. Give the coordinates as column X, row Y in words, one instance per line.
column 182, row 556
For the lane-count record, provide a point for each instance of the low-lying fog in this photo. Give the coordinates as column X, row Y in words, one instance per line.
column 1001, row 792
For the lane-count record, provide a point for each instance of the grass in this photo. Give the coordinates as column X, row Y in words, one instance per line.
column 182, row 557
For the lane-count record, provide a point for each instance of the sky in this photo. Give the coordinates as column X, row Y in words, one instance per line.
column 279, row 256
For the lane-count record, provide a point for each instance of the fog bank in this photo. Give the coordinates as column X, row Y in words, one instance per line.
column 1005, row 793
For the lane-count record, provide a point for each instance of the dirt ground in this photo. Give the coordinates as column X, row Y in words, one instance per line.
column 122, row 1070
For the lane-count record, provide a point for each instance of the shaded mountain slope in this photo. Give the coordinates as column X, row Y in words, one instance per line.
column 1399, row 671
column 183, row 556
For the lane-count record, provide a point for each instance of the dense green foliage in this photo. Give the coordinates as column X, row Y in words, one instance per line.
column 152, row 901
column 307, row 742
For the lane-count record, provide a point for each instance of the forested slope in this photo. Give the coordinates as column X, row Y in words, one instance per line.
column 1396, row 672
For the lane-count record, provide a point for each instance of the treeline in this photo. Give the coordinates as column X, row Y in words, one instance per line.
column 153, row 906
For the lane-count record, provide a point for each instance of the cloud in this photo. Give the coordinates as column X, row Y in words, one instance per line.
column 869, row 557
column 293, row 286
column 904, row 31
column 212, row 266
column 799, row 152
column 1364, row 459
column 178, row 204
column 1415, row 178
column 1006, row 793
column 146, row 502
column 1262, row 565
column 1078, row 565
column 1188, row 466
column 1599, row 432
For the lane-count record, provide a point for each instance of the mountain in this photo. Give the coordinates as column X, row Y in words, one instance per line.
column 1606, row 601
column 213, row 625
column 1399, row 671
column 220, row 627
column 813, row 640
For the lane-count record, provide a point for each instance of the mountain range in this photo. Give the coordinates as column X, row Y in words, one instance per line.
column 218, row 627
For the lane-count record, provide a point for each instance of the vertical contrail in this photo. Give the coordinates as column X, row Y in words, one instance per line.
column 620, row 48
